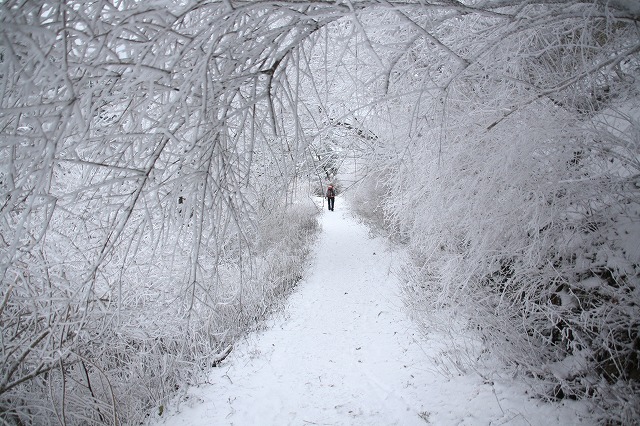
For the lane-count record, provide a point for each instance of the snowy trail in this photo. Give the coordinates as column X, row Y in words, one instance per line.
column 345, row 353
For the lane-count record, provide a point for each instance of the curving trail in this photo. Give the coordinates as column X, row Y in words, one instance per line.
column 345, row 353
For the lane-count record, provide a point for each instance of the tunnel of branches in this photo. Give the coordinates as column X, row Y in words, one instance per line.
column 157, row 160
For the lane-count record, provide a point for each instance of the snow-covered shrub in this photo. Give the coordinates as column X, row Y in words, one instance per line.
column 518, row 192
column 141, row 343
column 286, row 233
column 366, row 200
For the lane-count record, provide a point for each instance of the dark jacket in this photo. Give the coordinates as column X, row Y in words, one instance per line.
column 331, row 192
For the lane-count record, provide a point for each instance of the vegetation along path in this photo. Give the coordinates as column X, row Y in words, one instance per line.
column 345, row 353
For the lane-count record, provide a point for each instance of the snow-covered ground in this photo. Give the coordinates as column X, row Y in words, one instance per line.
column 344, row 352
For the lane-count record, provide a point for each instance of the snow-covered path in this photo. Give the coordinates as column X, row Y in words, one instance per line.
column 345, row 353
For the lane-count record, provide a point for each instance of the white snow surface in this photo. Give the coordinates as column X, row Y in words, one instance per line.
column 345, row 352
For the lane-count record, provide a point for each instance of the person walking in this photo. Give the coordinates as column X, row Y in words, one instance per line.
column 331, row 196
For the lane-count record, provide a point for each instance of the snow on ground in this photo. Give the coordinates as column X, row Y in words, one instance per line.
column 345, row 353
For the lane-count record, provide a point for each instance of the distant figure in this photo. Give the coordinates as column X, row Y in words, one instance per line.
column 331, row 197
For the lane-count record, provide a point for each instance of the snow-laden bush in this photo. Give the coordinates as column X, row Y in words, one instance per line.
column 367, row 201
column 287, row 233
column 137, row 347
column 520, row 200
column 542, row 257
